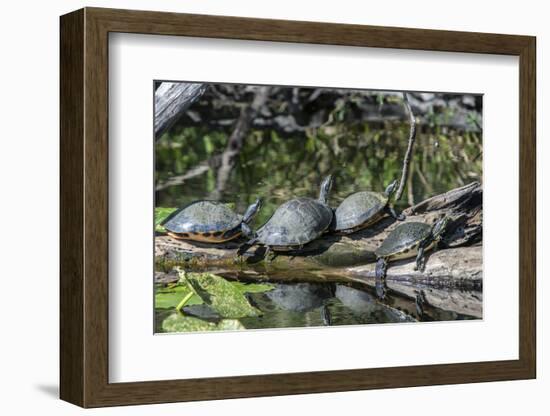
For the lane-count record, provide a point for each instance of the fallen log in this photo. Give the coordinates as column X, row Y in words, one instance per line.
column 452, row 279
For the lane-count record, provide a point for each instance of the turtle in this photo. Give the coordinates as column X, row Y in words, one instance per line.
column 295, row 223
column 405, row 241
column 210, row 222
column 361, row 209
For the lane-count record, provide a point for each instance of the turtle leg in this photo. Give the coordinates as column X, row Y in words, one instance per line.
column 419, row 259
column 392, row 212
column 247, row 231
column 420, row 256
column 380, row 275
column 419, row 302
column 269, row 254
column 243, row 248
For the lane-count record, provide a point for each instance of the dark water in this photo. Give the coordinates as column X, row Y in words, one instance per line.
column 298, row 305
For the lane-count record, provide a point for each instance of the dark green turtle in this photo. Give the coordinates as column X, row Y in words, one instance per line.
column 405, row 241
column 210, row 221
column 361, row 209
column 295, row 223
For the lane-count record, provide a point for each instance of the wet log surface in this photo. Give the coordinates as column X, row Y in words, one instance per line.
column 452, row 279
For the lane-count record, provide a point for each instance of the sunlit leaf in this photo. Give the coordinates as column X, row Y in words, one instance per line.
column 229, row 325
column 168, row 298
column 225, row 298
column 181, row 323
column 160, row 215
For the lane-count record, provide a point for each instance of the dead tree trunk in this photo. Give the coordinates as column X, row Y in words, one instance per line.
column 171, row 101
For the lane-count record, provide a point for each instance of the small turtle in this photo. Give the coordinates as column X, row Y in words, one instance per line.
column 361, row 209
column 295, row 223
column 407, row 240
column 210, row 221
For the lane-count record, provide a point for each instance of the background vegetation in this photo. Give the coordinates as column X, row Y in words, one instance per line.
column 359, row 136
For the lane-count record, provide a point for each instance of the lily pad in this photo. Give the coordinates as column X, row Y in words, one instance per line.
column 222, row 296
column 170, row 297
column 229, row 325
column 160, row 215
column 181, row 323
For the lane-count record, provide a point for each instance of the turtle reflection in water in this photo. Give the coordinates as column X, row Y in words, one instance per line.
column 405, row 241
column 365, row 306
column 210, row 221
column 295, row 223
column 361, row 209
column 303, row 297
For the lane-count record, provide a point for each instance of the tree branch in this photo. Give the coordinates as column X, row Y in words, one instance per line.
column 236, row 140
column 408, row 154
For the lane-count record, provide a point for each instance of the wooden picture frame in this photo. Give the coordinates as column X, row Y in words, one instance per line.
column 84, row 207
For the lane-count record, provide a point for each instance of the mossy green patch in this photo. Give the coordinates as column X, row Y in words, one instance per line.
column 227, row 299
column 181, row 323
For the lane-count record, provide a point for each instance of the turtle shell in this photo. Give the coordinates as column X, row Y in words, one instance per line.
column 202, row 217
column 296, row 222
column 403, row 237
column 359, row 209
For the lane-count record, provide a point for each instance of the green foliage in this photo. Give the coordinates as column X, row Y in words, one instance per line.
column 229, row 296
column 227, row 299
column 362, row 157
column 160, row 215
column 181, row 323
column 170, row 297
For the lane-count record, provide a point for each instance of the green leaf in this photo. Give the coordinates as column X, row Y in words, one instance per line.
column 181, row 323
column 225, row 298
column 168, row 298
column 160, row 215
column 229, row 325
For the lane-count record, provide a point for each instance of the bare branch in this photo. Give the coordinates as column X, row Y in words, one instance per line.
column 213, row 163
column 408, row 154
column 236, row 140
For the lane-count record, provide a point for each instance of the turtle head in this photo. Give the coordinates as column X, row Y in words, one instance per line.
column 252, row 210
column 440, row 227
column 325, row 190
column 390, row 190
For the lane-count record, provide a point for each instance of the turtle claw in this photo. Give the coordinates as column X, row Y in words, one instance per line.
column 269, row 255
column 420, row 265
column 398, row 217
